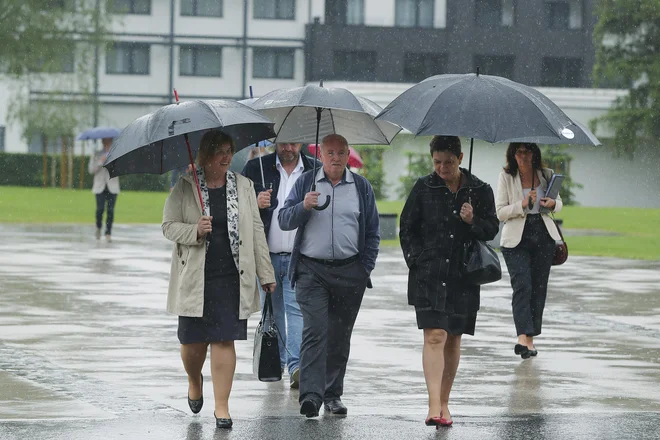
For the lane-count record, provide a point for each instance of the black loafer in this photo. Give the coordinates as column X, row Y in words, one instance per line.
column 223, row 423
column 522, row 350
column 196, row 405
column 336, row 407
column 533, row 352
column 309, row 408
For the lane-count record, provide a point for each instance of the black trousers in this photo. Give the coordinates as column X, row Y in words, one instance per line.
column 529, row 268
column 329, row 299
column 106, row 197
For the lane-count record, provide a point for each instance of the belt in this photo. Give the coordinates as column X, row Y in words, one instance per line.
column 333, row 263
column 282, row 254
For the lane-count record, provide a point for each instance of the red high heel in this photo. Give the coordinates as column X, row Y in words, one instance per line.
column 433, row 421
column 445, row 422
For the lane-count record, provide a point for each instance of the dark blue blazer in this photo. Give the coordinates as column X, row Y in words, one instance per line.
column 271, row 176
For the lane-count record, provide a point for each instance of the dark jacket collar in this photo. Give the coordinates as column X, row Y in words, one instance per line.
column 435, row 181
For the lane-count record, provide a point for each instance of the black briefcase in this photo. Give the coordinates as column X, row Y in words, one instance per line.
column 266, row 354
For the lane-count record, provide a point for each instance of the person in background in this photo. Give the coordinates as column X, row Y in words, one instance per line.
column 444, row 211
column 333, row 255
column 217, row 258
column 528, row 238
column 105, row 189
column 281, row 170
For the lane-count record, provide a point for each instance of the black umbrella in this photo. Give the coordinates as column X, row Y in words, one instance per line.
column 490, row 108
column 161, row 141
column 303, row 114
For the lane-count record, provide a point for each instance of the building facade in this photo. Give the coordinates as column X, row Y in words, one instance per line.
column 219, row 48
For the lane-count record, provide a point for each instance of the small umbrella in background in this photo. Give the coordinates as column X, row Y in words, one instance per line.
column 303, row 114
column 354, row 159
column 93, row 134
column 161, row 141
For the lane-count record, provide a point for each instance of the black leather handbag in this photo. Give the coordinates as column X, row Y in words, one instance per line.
column 481, row 264
column 266, row 353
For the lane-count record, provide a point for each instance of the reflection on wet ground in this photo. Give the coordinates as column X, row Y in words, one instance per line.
column 85, row 344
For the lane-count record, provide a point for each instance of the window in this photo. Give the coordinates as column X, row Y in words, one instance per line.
column 272, row 63
column 201, row 8
column 557, row 15
column 128, row 59
column 419, row 66
column 561, row 72
column 2, row 138
column 275, row 9
column 142, row 7
column 200, row 61
column 354, row 65
column 62, row 62
column 494, row 13
column 65, row 5
column 414, row 13
column 497, row 65
column 355, row 12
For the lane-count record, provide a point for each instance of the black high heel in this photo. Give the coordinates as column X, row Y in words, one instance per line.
column 522, row 350
column 196, row 405
column 223, row 423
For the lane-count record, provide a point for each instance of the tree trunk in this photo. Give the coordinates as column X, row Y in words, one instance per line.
column 63, row 163
column 70, row 163
column 44, row 149
column 82, row 165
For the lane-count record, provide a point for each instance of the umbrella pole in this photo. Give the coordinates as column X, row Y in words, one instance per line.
column 471, row 148
column 316, row 153
column 194, row 173
column 261, row 163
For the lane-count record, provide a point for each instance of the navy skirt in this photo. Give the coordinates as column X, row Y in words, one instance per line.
column 220, row 321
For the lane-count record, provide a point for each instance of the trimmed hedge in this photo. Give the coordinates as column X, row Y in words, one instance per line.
column 17, row 169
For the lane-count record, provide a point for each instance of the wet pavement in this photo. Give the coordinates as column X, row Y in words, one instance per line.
column 87, row 351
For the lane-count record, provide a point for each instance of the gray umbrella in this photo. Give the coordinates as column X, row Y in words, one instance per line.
column 485, row 107
column 169, row 137
column 303, row 114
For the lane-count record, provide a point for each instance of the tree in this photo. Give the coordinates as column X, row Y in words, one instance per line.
column 627, row 40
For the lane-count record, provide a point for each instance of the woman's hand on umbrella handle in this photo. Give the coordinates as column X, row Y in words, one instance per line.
column 204, row 226
column 532, row 196
column 467, row 215
column 269, row 287
column 263, row 199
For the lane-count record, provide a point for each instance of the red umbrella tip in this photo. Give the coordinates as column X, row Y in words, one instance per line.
column 176, row 95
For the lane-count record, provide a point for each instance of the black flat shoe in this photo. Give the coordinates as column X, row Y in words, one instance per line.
column 309, row 408
column 533, row 352
column 223, row 423
column 522, row 350
column 196, row 405
column 336, row 407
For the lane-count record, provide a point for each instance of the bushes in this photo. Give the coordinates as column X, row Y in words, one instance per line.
column 372, row 158
column 28, row 170
column 418, row 165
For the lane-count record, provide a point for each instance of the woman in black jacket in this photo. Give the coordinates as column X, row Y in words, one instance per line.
column 444, row 211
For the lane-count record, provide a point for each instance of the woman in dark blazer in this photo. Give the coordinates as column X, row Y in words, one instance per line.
column 444, row 211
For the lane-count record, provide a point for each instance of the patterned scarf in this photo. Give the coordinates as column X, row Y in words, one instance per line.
column 232, row 208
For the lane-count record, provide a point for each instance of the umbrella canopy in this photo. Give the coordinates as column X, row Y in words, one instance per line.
column 294, row 112
column 98, row 133
column 354, row 159
column 582, row 136
column 490, row 108
column 153, row 144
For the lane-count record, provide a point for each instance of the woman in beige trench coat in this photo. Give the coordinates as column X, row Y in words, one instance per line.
column 216, row 261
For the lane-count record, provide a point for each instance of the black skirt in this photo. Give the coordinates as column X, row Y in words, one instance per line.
column 457, row 321
column 220, row 321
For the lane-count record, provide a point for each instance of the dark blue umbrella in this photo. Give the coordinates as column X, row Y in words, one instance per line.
column 98, row 133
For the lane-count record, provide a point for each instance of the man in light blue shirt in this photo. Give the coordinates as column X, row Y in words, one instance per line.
column 333, row 255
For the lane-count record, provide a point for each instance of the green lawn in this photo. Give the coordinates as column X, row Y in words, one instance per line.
column 638, row 233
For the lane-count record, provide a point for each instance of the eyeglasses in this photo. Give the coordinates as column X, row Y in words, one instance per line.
column 522, row 152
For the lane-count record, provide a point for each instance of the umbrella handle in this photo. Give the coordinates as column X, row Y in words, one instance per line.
column 318, row 125
column 194, row 173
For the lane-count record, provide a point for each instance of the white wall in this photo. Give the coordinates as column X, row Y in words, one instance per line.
column 13, row 141
column 379, row 12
